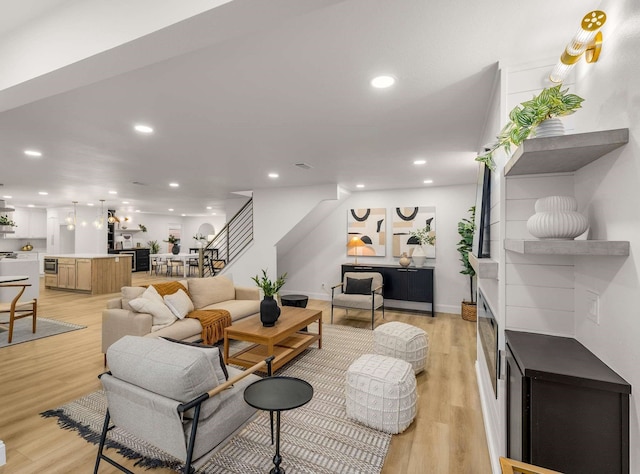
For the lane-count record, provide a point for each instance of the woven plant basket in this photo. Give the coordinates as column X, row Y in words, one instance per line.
column 469, row 311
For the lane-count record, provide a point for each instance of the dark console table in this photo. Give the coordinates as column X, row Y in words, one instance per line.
column 402, row 283
column 566, row 409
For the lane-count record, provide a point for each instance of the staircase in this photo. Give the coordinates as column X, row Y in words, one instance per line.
column 228, row 244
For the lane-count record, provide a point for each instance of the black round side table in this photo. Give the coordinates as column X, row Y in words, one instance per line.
column 278, row 394
column 299, row 301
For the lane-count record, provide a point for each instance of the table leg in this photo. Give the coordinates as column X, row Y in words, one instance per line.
column 277, row 459
column 320, row 332
column 226, row 350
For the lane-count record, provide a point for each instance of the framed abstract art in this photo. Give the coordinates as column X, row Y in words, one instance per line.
column 370, row 225
column 410, row 219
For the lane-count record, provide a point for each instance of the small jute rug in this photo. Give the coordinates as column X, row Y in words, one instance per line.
column 44, row 328
column 316, row 438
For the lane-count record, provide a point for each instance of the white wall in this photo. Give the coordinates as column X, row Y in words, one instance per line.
column 317, row 258
column 609, row 192
column 275, row 213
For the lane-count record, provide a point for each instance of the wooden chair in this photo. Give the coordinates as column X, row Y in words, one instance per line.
column 19, row 309
column 511, row 466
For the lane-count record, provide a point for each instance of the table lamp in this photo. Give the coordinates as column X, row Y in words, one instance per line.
column 355, row 242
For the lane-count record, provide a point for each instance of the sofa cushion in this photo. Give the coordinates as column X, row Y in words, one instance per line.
column 207, row 291
column 151, row 302
column 179, row 303
column 171, row 370
column 130, row 293
column 237, row 308
column 212, row 352
column 184, row 329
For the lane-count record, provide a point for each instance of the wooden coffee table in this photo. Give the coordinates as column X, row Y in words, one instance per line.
column 284, row 340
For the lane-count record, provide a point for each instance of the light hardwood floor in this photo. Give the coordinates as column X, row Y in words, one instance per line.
column 447, row 436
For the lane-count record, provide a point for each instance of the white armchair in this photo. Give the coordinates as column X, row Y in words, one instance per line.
column 359, row 290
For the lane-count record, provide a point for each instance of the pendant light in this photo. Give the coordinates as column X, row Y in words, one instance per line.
column 71, row 217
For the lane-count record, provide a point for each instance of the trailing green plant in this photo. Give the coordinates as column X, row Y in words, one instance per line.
column 154, row 246
column 172, row 239
column 466, row 228
column 4, row 220
column 269, row 288
column 552, row 102
column 143, row 227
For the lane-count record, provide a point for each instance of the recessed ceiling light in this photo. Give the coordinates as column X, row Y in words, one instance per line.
column 420, row 162
column 209, row 208
column 125, row 202
column 382, row 82
column 89, row 204
column 113, row 192
column 213, row 213
column 137, row 210
column 33, row 153
column 170, row 210
column 183, row 215
column 359, row 185
column 30, row 205
column 42, row 193
column 143, row 128
column 174, row 185
column 273, row 175
column 7, row 197
column 428, row 181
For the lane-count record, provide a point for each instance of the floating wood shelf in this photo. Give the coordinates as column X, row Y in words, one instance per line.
column 568, row 247
column 563, row 154
column 484, row 267
column 126, row 231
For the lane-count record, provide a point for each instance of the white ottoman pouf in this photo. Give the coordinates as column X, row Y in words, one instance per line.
column 402, row 341
column 381, row 393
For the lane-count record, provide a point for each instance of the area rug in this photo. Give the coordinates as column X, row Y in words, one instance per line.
column 44, row 328
column 316, row 438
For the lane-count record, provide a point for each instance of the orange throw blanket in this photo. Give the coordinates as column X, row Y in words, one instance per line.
column 213, row 322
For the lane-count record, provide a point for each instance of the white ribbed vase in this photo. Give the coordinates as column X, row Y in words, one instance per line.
column 556, row 218
column 552, row 127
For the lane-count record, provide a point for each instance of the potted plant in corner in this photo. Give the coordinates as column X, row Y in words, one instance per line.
column 528, row 117
column 269, row 310
column 6, row 224
column 466, row 228
column 154, row 246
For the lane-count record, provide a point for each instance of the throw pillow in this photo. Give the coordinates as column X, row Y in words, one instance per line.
column 179, row 303
column 129, row 293
column 151, row 302
column 208, row 291
column 358, row 286
column 214, row 354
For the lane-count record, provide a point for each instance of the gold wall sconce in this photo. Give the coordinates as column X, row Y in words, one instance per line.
column 587, row 41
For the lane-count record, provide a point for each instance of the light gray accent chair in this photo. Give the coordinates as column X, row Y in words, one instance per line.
column 174, row 397
column 371, row 301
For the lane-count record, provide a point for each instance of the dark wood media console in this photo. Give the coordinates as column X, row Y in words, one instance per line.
column 402, row 283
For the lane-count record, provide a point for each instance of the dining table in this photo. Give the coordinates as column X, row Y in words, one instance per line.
column 185, row 257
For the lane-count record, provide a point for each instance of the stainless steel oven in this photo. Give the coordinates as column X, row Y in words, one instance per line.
column 51, row 265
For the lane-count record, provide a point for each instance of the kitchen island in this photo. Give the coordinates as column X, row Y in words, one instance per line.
column 89, row 273
column 23, row 265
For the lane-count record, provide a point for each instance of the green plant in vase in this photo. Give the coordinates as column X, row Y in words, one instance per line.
column 269, row 310
column 4, row 220
column 154, row 246
column 552, row 102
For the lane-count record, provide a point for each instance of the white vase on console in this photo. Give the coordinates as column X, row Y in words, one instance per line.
column 418, row 256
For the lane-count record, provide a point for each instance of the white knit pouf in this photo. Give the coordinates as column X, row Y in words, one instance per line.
column 402, row 341
column 381, row 393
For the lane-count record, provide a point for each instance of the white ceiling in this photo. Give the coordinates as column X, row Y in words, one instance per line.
column 227, row 114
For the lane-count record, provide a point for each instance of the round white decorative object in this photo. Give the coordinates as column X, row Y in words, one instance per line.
column 552, row 127
column 556, row 218
column 556, row 203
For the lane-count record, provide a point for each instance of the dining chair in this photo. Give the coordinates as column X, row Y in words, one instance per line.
column 19, row 309
column 174, row 263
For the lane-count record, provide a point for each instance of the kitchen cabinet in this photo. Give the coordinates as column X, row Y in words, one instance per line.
column 50, row 280
column 67, row 273
column 32, row 224
column 140, row 258
column 83, row 274
column 566, row 409
column 414, row 284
